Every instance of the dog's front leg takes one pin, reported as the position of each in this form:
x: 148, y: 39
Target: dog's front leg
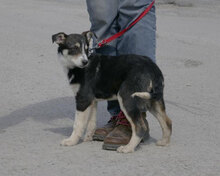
x: 91, y: 123
x: 81, y: 120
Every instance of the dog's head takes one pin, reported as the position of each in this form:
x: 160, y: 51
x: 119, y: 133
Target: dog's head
x: 74, y: 48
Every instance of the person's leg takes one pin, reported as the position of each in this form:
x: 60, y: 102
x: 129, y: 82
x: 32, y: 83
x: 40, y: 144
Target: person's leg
x: 109, y: 17
x: 140, y: 40
x: 103, y: 17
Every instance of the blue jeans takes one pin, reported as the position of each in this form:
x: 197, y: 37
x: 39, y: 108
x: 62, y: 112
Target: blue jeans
x: 108, y: 17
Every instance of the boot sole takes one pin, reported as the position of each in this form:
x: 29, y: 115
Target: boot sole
x: 114, y: 147
x: 98, y: 137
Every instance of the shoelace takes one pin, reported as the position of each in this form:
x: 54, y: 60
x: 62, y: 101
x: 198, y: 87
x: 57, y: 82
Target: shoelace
x: 122, y: 119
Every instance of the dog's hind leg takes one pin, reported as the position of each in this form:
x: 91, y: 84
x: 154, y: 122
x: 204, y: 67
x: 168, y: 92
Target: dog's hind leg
x: 91, y: 123
x: 80, y: 122
x: 158, y: 110
x: 137, y: 121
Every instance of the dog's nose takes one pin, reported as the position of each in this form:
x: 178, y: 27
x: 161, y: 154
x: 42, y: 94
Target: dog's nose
x: 85, y: 62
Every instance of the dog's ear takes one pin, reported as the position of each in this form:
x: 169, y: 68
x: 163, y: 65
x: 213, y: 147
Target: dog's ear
x: 89, y: 38
x: 59, y: 38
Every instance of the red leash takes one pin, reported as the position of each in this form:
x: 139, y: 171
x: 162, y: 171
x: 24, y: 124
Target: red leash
x: 113, y: 37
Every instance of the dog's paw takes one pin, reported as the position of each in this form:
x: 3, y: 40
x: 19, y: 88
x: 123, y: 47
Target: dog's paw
x: 163, y: 142
x: 68, y: 142
x: 125, y: 149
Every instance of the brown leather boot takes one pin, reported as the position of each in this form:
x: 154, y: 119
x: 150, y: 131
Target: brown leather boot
x: 101, y: 133
x: 120, y: 135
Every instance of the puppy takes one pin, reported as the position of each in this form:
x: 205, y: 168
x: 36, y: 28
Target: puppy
x: 135, y: 81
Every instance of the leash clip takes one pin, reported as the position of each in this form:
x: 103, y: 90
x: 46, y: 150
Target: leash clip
x: 97, y: 46
x: 91, y: 51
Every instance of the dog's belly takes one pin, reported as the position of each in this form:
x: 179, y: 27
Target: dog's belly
x: 113, y: 97
x: 101, y: 94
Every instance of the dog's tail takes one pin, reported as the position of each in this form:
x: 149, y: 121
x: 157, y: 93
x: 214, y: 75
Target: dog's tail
x: 144, y: 95
x: 156, y: 91
x: 147, y: 95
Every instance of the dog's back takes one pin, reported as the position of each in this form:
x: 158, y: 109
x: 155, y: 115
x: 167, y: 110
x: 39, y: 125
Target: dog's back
x: 139, y: 74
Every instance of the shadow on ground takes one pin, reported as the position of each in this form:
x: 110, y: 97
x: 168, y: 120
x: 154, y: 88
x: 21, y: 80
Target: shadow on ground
x: 64, y: 107
x: 44, y: 112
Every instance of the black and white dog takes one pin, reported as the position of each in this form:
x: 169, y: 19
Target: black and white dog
x: 135, y: 81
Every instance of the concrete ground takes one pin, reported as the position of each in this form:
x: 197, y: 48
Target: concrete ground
x: 37, y: 106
